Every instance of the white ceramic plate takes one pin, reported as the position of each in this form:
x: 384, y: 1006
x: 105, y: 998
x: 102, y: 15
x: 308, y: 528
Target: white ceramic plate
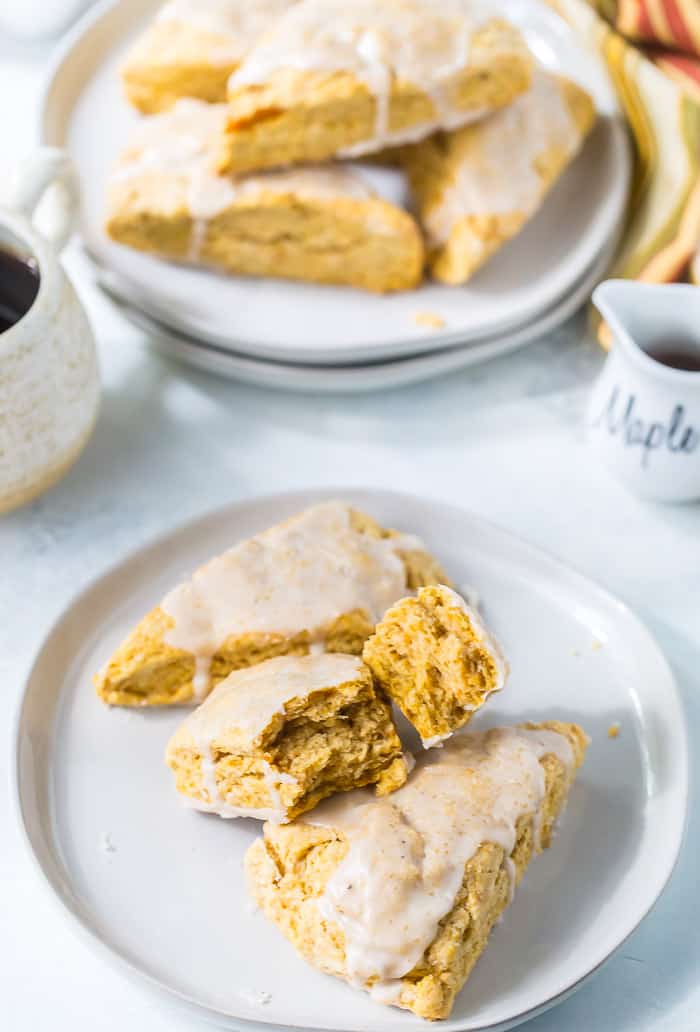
x: 397, y: 372
x: 84, y: 110
x: 168, y: 899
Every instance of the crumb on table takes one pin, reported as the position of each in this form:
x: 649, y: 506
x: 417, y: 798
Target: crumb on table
x: 613, y: 730
x: 106, y: 843
x: 431, y: 320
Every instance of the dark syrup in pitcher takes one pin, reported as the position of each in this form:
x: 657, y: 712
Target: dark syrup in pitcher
x: 677, y: 354
x: 19, y: 285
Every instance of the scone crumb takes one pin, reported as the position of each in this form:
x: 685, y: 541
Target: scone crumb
x: 257, y: 996
x: 106, y: 843
x: 431, y: 320
x: 614, y: 730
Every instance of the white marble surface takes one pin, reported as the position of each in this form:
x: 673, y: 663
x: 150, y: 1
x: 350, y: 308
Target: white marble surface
x: 504, y: 440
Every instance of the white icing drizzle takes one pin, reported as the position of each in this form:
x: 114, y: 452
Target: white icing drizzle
x: 415, y: 41
x: 245, y: 704
x: 237, y: 23
x: 298, y: 576
x: 435, y: 741
x: 179, y: 144
x: 497, y: 174
x: 407, y: 852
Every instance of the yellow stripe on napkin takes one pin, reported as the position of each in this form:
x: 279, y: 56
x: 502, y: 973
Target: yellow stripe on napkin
x: 663, y: 226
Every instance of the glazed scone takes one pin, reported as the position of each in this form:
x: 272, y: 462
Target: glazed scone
x: 475, y: 188
x: 272, y: 740
x: 320, y: 224
x: 192, y: 47
x: 434, y: 657
x: 399, y: 895
x: 336, y: 78
x: 318, y: 581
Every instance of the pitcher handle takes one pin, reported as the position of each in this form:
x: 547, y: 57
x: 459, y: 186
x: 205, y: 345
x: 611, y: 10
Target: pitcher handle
x: 47, y: 167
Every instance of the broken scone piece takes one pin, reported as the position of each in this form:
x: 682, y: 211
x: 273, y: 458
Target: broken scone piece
x: 333, y: 77
x: 273, y: 740
x: 191, y: 48
x: 434, y: 657
x: 399, y: 895
x: 320, y: 224
x: 319, y: 581
x: 475, y: 188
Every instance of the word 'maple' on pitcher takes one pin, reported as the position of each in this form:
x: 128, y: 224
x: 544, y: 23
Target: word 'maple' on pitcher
x: 619, y: 417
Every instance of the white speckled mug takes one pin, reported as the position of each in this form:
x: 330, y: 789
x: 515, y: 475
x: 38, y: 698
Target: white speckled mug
x: 49, y: 382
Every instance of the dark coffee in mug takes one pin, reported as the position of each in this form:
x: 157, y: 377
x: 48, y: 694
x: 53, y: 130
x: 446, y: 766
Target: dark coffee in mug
x: 19, y: 285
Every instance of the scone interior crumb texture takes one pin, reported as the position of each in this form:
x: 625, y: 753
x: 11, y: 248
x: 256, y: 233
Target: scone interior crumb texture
x: 434, y: 657
x: 336, y: 882
x: 320, y: 580
x: 274, y: 740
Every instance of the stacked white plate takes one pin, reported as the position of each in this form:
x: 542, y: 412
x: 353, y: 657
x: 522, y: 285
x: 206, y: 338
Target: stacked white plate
x: 306, y: 337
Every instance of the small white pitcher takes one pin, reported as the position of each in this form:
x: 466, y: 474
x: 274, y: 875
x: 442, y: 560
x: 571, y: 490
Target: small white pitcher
x: 49, y: 383
x: 644, y: 415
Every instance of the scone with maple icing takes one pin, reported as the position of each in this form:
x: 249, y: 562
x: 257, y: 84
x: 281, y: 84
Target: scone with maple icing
x: 319, y: 581
x: 399, y: 895
x: 337, y: 78
x: 434, y: 657
x: 272, y: 740
x: 320, y: 224
x: 191, y: 48
x: 476, y: 188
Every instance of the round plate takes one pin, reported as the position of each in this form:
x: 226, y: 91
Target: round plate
x: 85, y: 111
x: 160, y: 886
x: 353, y: 379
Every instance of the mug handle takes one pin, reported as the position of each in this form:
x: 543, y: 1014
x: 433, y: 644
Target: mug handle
x: 49, y: 166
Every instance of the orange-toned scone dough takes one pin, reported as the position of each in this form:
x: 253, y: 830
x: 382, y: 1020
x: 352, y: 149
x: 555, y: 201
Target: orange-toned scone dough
x: 321, y: 579
x: 321, y: 224
x: 434, y: 657
x: 192, y: 47
x: 399, y: 895
x: 272, y: 740
x: 476, y: 188
x: 337, y: 78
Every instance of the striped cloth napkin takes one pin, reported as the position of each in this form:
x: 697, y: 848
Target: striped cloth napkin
x: 652, y: 49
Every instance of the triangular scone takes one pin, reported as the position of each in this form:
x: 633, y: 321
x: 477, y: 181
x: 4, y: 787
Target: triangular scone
x: 333, y: 77
x: 399, y: 895
x: 192, y: 47
x: 475, y: 188
x: 275, y: 739
x: 320, y: 580
x: 321, y: 224
x: 435, y: 658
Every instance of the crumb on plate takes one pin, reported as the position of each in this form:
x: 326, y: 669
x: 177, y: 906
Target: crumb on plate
x: 106, y: 843
x: 431, y: 320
